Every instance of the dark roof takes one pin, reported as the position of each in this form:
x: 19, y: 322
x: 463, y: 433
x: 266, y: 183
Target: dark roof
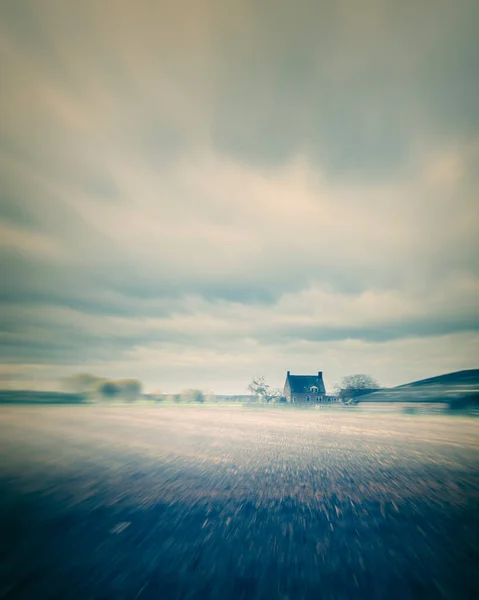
x: 301, y: 384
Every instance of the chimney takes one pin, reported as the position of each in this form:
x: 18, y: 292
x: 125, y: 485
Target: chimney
x: 287, y: 373
x: 320, y: 374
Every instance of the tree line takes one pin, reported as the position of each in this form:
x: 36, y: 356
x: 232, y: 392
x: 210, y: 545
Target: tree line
x: 97, y: 388
x: 101, y: 388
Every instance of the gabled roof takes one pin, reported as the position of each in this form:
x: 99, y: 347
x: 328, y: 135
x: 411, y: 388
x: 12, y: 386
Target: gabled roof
x: 302, y: 384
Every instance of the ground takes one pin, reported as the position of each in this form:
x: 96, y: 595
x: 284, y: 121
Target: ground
x: 237, y: 503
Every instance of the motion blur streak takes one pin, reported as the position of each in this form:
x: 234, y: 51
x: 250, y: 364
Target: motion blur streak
x: 213, y: 502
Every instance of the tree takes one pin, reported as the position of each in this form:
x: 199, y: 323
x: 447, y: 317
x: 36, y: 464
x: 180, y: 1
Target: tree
x: 108, y: 389
x: 199, y: 396
x: 129, y: 389
x: 81, y: 383
x: 353, y: 386
x: 263, y: 391
x: 193, y: 395
x: 125, y: 390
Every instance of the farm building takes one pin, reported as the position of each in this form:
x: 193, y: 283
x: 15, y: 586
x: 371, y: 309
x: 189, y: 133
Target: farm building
x: 306, y: 388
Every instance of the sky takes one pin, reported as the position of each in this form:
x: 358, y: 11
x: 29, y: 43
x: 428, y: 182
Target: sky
x: 201, y: 191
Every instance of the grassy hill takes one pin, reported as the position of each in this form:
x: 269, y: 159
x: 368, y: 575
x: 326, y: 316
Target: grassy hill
x: 459, y: 388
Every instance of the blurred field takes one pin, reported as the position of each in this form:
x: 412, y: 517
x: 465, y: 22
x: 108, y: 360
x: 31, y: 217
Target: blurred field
x: 215, y: 502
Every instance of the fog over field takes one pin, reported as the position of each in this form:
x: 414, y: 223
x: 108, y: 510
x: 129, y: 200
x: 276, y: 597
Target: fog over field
x: 214, y: 502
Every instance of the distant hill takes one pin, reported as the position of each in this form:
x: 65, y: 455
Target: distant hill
x: 459, y: 388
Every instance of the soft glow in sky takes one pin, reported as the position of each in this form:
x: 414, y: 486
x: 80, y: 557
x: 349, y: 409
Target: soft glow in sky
x: 197, y: 192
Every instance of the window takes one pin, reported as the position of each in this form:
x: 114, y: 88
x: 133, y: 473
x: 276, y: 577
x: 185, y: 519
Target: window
x: 294, y: 398
x: 308, y: 398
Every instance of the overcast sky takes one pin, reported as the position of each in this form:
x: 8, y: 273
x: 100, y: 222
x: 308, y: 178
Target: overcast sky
x: 197, y: 192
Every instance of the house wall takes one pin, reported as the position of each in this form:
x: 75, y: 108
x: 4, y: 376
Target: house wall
x: 313, y: 398
x: 304, y: 398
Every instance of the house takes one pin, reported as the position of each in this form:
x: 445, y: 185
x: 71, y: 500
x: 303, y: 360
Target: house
x: 306, y: 388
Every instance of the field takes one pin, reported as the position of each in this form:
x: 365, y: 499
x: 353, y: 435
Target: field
x: 237, y: 503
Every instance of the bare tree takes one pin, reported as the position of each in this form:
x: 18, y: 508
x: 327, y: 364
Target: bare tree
x: 353, y: 386
x: 263, y: 391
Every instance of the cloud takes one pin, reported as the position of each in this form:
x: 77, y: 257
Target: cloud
x: 218, y: 186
